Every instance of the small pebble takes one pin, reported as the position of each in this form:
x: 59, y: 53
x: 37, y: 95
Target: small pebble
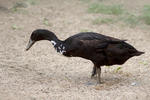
x: 133, y: 83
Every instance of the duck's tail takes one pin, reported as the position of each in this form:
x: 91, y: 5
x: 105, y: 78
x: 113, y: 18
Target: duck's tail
x: 138, y: 53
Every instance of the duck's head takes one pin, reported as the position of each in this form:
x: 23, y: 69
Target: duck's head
x: 40, y: 34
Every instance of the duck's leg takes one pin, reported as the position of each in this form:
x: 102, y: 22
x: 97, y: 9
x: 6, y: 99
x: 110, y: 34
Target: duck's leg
x: 93, y: 72
x: 98, y: 69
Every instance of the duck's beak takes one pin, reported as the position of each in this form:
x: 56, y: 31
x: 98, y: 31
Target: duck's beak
x: 31, y: 42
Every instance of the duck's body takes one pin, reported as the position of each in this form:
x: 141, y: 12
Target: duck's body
x: 100, y: 49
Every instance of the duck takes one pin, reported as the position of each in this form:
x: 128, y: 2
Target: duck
x: 100, y: 49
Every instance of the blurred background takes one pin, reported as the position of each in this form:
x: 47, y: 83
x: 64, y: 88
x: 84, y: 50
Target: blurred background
x: 43, y: 74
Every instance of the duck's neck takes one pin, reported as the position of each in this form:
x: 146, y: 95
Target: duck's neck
x: 58, y: 45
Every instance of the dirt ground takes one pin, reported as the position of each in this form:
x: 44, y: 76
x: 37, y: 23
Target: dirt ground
x: 43, y: 74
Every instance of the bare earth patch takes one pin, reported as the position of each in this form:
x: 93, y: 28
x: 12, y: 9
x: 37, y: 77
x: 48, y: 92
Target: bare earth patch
x: 42, y: 74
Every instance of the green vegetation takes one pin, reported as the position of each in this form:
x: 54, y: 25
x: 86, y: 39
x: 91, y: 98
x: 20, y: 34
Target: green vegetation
x: 103, y: 21
x: 85, y: 1
x: 145, y: 63
x: 116, y: 13
x: 105, y: 9
x: 146, y: 14
x: 23, y: 4
x: 122, y: 16
x: 85, y: 30
x: 46, y: 22
x: 18, y: 5
x: 131, y: 20
x: 14, y: 27
x: 32, y: 2
x: 117, y: 69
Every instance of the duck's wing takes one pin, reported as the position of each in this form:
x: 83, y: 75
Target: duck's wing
x: 89, y: 40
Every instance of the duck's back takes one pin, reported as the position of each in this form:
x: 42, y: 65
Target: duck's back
x: 86, y: 44
x: 87, y: 36
x: 90, y: 36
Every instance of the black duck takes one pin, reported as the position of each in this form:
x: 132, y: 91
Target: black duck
x: 100, y: 49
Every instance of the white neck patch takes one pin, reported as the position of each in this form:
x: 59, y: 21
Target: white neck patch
x: 60, y: 49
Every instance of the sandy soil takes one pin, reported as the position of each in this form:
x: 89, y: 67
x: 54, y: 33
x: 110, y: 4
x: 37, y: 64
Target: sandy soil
x: 43, y: 74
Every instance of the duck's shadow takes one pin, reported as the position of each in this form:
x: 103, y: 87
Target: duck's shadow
x: 109, y: 82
